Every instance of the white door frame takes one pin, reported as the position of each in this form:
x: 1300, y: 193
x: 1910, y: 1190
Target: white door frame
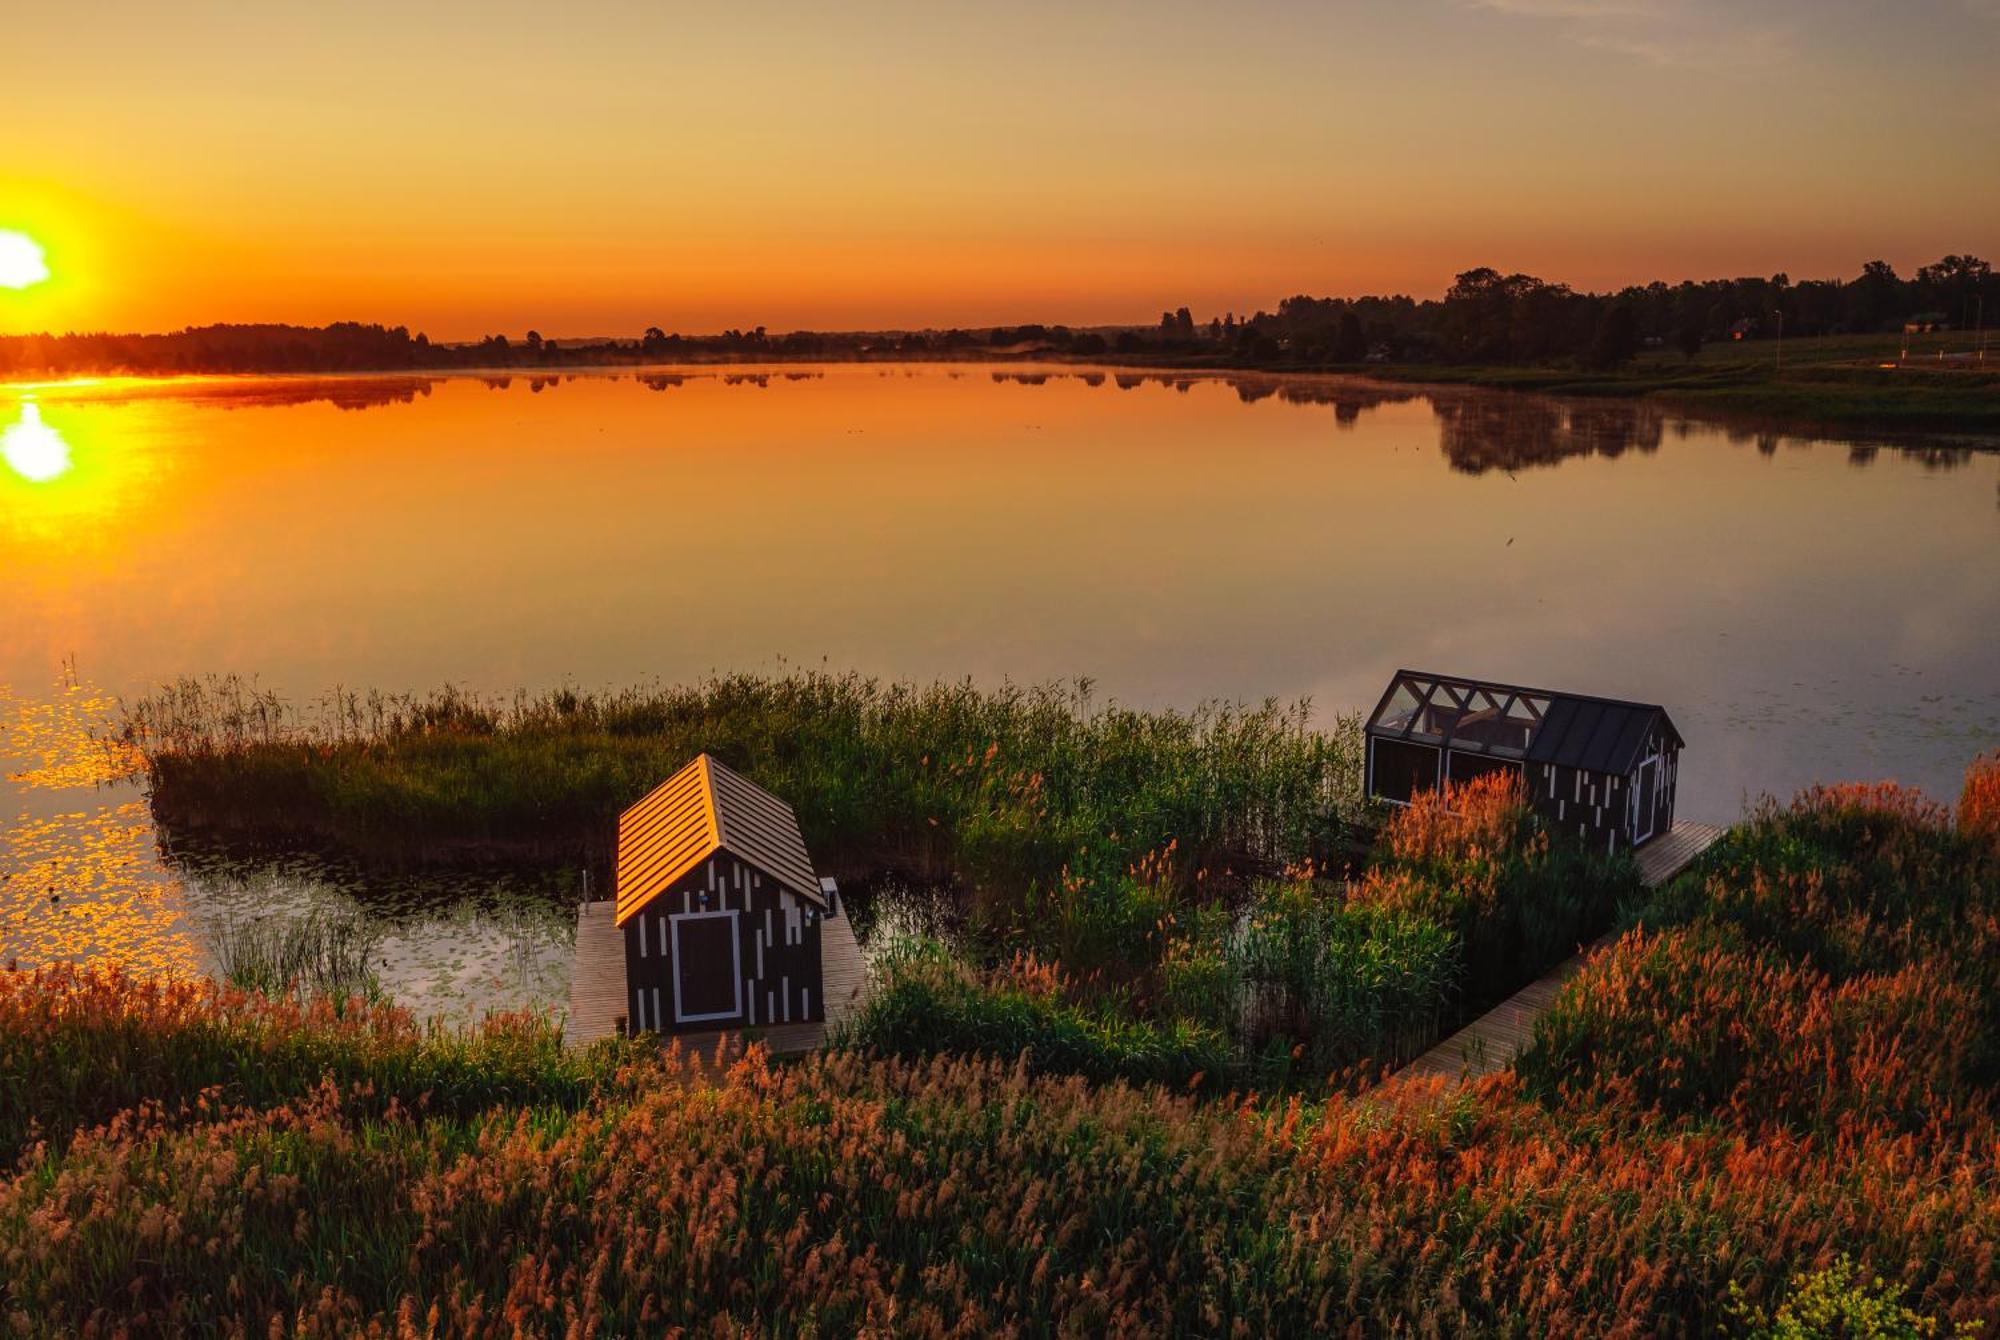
x: 1639, y: 797
x: 735, y: 967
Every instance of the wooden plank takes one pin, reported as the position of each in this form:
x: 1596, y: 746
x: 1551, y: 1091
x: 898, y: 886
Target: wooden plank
x: 1492, y: 1041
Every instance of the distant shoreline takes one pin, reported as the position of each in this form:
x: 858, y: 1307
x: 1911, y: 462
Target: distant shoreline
x: 1835, y: 399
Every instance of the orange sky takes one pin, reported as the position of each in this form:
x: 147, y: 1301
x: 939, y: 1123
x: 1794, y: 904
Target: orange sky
x: 598, y: 167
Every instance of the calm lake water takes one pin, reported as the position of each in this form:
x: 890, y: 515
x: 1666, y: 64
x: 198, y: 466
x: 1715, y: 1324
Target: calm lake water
x: 1807, y: 609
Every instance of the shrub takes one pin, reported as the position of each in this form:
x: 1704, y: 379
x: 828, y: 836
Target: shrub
x: 1836, y: 1304
x: 1345, y: 982
x: 926, y: 1000
x: 1476, y: 858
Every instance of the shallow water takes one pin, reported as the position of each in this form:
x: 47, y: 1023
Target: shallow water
x: 1807, y: 609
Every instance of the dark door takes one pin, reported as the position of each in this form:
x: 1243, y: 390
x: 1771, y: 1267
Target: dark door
x: 706, y: 981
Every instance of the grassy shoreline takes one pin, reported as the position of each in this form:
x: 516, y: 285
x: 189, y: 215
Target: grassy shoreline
x: 1831, y: 385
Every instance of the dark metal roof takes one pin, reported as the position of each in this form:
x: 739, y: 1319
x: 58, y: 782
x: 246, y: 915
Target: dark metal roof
x: 1573, y: 730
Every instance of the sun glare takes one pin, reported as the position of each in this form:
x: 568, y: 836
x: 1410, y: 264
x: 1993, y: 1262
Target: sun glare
x: 32, y: 449
x: 22, y: 262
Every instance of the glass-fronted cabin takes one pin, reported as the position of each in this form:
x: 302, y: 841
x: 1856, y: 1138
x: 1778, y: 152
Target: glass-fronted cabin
x: 1601, y: 769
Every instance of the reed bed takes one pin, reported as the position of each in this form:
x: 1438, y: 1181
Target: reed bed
x: 80, y: 1045
x: 1770, y: 1107
x: 326, y: 952
x: 949, y: 1196
x: 1832, y: 964
x: 1003, y: 792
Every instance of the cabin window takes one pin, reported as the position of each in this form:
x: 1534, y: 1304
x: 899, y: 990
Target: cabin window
x: 1463, y: 767
x: 1401, y: 769
x: 1398, y: 710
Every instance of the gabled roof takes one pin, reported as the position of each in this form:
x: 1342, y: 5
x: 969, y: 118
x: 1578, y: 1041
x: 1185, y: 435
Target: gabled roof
x: 700, y: 810
x: 1481, y: 716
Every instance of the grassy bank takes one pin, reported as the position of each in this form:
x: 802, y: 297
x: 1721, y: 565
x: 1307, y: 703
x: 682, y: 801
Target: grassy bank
x: 1771, y: 1106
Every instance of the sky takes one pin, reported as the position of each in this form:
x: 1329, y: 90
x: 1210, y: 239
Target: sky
x: 598, y: 166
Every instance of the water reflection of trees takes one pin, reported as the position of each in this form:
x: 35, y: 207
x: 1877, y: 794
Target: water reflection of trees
x: 1478, y: 433
x: 1861, y: 452
x: 343, y: 395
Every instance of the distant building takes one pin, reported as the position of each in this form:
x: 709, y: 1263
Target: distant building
x: 1744, y: 328
x: 1599, y: 769
x: 1924, y: 323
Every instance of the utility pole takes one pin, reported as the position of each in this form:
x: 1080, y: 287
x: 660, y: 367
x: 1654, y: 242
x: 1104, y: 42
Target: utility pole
x: 1779, y: 312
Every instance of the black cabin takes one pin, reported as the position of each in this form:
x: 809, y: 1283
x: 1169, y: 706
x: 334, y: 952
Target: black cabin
x: 719, y: 906
x: 1598, y: 768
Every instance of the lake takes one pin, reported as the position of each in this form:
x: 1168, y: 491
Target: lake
x: 1807, y: 609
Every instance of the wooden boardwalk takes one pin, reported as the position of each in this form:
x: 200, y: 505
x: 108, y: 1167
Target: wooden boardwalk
x: 597, y: 985
x: 1494, y: 1039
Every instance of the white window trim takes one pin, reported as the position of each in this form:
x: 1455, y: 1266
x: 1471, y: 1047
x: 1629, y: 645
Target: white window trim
x: 735, y: 967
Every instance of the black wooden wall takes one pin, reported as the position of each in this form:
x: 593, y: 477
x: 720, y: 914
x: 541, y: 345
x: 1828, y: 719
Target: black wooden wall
x: 778, y: 948
x: 1598, y: 808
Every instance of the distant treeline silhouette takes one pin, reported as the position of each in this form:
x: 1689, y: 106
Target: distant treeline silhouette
x: 1485, y: 318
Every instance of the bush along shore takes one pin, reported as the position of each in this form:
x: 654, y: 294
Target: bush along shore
x: 1769, y: 1109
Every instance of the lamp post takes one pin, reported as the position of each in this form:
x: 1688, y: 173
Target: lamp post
x: 1779, y: 312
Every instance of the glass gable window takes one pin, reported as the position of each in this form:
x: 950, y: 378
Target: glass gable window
x: 1398, y: 710
x: 1461, y: 715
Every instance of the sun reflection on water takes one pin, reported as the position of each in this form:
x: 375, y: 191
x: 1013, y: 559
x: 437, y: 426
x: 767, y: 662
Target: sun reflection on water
x: 79, y: 874
x: 32, y: 449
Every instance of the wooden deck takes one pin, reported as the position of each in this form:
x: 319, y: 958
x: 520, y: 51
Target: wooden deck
x: 1494, y: 1039
x: 597, y: 985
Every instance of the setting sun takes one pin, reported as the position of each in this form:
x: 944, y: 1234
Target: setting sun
x: 21, y: 261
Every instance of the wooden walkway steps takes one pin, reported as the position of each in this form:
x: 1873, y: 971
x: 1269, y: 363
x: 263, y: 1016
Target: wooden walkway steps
x: 597, y: 985
x: 1494, y: 1039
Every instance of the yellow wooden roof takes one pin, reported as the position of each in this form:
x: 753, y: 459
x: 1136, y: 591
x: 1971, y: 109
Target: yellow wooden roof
x: 704, y: 808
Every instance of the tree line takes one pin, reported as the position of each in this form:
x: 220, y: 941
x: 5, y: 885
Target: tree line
x: 1486, y: 317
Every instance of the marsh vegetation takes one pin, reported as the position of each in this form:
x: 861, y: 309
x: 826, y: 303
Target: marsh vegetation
x: 1772, y: 1105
